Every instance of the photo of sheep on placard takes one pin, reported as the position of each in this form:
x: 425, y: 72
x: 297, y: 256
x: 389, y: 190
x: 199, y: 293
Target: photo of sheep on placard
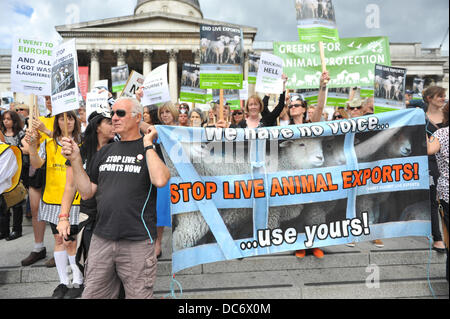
x: 390, y: 85
x: 220, y: 45
x: 321, y: 10
x: 190, y: 75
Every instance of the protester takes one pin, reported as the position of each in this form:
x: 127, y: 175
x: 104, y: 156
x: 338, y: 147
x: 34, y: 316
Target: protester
x: 368, y: 106
x: 11, y: 127
x: 10, y: 169
x: 220, y: 123
x: 438, y: 145
x: 356, y: 108
x: 339, y: 114
x: 284, y: 118
x: 99, y: 132
x: 147, y: 117
x: 211, y: 118
x: 196, y: 118
x: 168, y: 114
x: 258, y: 114
x: 434, y: 98
x: 52, y: 195
x: 183, y: 117
x: 24, y: 112
x: 298, y: 113
x: 36, y: 178
x: 120, y: 249
x: 237, y: 116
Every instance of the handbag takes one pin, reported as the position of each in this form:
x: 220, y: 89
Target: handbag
x: 16, y: 196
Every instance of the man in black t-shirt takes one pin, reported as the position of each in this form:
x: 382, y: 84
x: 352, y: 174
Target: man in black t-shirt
x: 123, y: 177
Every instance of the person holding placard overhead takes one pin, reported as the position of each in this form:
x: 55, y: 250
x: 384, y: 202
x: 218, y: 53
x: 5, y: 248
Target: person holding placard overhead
x: 36, y: 178
x: 49, y: 155
x: 257, y: 112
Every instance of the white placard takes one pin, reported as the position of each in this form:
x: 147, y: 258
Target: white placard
x: 65, y: 79
x: 270, y: 70
x: 31, y: 65
x: 135, y: 81
x: 96, y: 100
x: 156, y: 88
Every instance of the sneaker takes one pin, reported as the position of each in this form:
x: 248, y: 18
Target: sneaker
x: 34, y: 257
x: 50, y: 263
x: 350, y: 245
x: 300, y: 253
x: 318, y: 253
x: 378, y: 243
x: 74, y: 292
x: 60, y: 291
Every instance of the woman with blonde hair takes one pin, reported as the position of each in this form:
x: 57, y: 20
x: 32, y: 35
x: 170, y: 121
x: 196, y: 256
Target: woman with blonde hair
x: 168, y: 114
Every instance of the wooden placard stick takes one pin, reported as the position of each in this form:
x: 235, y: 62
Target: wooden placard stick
x: 2, y: 137
x: 32, y: 102
x: 221, y: 106
x: 66, y: 134
x: 322, y: 58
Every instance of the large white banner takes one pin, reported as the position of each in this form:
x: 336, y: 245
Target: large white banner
x: 65, y: 78
x: 156, y: 88
x: 31, y: 65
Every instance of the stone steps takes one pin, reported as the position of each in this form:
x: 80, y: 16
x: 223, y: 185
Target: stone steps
x: 402, y: 269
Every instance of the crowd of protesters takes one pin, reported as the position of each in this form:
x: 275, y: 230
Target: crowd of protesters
x: 70, y: 181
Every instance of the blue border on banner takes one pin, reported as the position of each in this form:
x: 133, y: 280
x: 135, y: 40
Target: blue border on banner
x: 227, y: 248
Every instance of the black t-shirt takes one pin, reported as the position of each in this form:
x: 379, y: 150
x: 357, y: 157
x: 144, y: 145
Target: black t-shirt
x: 120, y: 171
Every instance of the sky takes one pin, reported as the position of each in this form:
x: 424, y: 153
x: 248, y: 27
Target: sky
x: 401, y: 20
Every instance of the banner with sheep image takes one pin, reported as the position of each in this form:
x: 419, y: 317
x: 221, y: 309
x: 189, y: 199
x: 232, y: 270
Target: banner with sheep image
x: 237, y: 193
x: 350, y: 62
x: 221, y: 57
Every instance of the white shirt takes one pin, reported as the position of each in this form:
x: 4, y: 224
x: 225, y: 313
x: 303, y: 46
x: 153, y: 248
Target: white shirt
x: 8, y: 167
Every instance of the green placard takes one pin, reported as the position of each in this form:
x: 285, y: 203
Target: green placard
x: 350, y: 62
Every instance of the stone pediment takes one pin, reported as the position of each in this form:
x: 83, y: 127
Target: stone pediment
x: 153, y: 22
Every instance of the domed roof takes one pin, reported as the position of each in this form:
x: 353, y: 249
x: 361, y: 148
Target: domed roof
x: 193, y: 3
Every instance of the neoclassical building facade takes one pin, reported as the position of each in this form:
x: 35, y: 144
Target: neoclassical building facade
x: 167, y: 31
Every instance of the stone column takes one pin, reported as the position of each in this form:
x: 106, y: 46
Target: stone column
x: 121, y: 55
x: 173, y: 74
x: 246, y: 65
x: 147, y: 66
x: 95, y: 66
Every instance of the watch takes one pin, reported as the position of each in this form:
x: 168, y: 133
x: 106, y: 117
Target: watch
x: 150, y: 147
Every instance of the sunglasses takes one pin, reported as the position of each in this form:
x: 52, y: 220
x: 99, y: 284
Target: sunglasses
x: 338, y: 117
x: 18, y: 110
x: 237, y: 113
x: 353, y: 108
x: 120, y: 113
x: 295, y: 105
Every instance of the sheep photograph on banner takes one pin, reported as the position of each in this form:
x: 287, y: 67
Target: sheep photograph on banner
x: 237, y: 193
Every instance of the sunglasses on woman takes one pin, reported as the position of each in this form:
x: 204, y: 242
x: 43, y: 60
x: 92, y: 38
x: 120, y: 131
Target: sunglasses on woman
x: 337, y: 117
x: 295, y: 105
x: 237, y: 113
x: 357, y: 107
